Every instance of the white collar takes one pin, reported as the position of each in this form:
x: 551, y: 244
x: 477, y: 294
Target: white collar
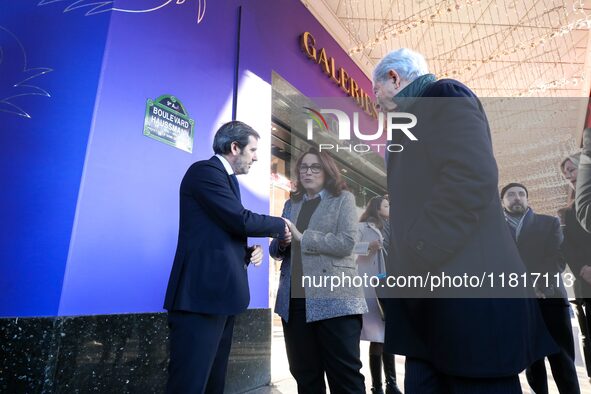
x: 226, y: 164
x: 321, y: 194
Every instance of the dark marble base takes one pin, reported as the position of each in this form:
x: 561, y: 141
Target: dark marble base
x: 117, y: 353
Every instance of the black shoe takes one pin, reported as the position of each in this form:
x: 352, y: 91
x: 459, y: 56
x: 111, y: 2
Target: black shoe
x: 390, y: 372
x: 375, y: 368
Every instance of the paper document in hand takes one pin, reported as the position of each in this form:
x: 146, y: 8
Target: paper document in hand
x: 361, y: 248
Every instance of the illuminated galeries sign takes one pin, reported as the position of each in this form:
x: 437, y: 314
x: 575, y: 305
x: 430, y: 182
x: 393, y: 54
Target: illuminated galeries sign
x: 338, y: 75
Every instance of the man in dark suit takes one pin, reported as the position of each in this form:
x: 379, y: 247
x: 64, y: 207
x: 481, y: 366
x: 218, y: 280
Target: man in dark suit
x: 446, y: 217
x: 577, y: 251
x: 208, y: 284
x: 539, y: 238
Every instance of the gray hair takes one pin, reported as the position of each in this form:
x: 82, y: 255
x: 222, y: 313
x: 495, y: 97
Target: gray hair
x: 408, y: 64
x: 234, y: 131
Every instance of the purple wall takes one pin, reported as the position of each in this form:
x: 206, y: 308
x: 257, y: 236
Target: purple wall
x: 126, y: 220
x: 50, y: 63
x: 278, y: 25
x: 125, y: 234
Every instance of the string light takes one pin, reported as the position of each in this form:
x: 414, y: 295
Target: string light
x: 551, y: 85
x: 583, y: 23
x: 504, y: 47
x: 394, y: 29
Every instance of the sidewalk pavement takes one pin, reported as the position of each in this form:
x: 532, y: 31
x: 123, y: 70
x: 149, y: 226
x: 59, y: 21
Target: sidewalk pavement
x: 283, y: 383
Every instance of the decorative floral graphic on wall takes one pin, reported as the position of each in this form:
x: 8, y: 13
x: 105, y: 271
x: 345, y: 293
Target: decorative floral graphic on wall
x: 93, y: 7
x: 17, y: 79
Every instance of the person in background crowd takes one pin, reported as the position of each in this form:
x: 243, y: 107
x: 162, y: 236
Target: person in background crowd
x: 583, y: 187
x: 539, y: 238
x: 577, y: 251
x: 321, y: 325
x: 444, y: 198
x: 578, y: 301
x: 371, y: 262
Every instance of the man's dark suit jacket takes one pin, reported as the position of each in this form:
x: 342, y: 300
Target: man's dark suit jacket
x: 209, y: 273
x: 539, y: 245
x: 577, y: 250
x: 446, y: 215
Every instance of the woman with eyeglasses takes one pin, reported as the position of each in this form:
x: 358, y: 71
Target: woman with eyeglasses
x: 321, y: 313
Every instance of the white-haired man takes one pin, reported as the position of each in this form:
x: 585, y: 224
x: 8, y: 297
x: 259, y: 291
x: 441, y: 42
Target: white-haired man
x: 446, y: 217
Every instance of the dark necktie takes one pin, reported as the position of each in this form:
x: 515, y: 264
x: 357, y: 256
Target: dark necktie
x: 236, y: 186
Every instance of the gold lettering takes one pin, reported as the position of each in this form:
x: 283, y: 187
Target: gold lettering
x: 361, y: 100
x: 354, y: 90
x: 340, y: 76
x: 369, y: 104
x: 308, y: 45
x: 333, y: 74
x: 343, y: 79
x: 374, y: 110
x: 323, y: 61
x: 365, y: 102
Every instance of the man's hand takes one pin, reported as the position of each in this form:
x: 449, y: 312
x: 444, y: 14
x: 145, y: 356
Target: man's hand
x: 286, y: 240
x: 287, y: 230
x: 294, y: 231
x: 256, y: 255
x: 586, y: 273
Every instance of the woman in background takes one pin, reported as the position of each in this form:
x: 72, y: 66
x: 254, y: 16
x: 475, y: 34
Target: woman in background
x: 371, y: 261
x: 583, y: 193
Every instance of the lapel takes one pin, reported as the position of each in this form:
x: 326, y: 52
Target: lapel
x: 318, y: 215
x: 296, y: 207
x: 375, y: 230
x: 233, y: 184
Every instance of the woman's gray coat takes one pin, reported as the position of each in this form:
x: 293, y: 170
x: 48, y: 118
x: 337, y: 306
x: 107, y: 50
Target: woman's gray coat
x: 327, y: 252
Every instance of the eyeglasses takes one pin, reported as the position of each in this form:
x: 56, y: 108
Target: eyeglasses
x: 315, y: 168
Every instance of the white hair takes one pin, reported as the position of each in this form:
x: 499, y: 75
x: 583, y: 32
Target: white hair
x: 407, y: 63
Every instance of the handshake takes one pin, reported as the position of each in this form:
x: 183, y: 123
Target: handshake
x: 291, y: 232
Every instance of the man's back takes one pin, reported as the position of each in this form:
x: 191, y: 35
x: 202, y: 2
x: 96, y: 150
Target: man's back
x: 446, y: 217
x: 577, y: 249
x: 539, y: 245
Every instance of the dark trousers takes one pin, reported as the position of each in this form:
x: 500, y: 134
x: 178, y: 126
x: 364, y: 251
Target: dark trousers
x: 199, y: 350
x: 421, y: 378
x: 557, y: 319
x: 328, y: 346
x: 583, y: 309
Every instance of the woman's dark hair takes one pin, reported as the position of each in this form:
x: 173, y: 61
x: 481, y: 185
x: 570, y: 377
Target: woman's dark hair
x: 372, y: 214
x: 333, y: 181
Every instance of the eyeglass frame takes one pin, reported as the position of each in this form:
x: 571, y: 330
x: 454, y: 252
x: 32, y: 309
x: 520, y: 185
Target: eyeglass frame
x: 314, y: 169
